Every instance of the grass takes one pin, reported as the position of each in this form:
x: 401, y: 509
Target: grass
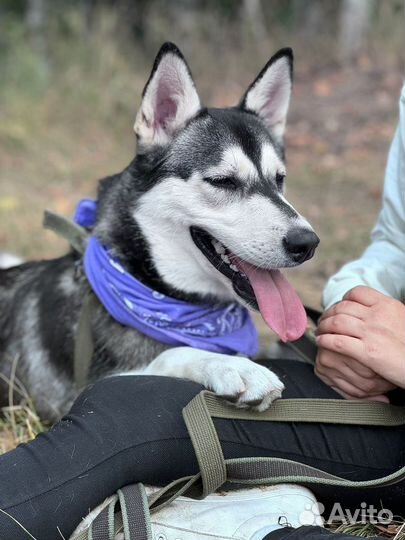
x: 395, y: 530
x: 19, y: 422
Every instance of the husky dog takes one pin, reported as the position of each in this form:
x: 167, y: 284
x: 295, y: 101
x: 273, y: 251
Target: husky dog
x: 199, y: 215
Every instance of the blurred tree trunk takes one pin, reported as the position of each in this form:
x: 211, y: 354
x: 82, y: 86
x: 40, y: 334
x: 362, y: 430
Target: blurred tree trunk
x: 309, y: 16
x: 253, y: 19
x: 36, y: 18
x: 252, y: 12
x: 354, y: 21
x: 89, y: 15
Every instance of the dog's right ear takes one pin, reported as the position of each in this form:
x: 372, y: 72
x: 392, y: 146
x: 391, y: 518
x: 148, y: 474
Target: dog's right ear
x: 169, y: 100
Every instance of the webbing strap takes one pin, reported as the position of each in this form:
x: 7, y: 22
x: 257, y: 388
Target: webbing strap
x: 275, y: 470
x: 102, y: 528
x: 188, y: 485
x: 215, y: 470
x: 135, y: 512
x: 74, y: 234
x: 83, y: 347
x: 84, y: 343
x: 133, y: 519
x: 305, y: 346
x: 206, y: 444
x: 252, y: 471
x: 326, y: 411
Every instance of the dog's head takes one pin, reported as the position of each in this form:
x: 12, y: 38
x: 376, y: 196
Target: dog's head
x: 206, y: 191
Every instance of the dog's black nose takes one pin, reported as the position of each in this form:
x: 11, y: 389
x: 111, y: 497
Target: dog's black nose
x: 301, y: 243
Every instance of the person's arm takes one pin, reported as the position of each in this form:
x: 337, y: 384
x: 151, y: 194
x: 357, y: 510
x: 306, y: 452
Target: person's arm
x: 360, y: 335
x: 382, y: 265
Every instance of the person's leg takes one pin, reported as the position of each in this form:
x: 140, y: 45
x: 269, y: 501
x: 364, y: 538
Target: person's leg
x: 352, y: 452
x: 128, y: 429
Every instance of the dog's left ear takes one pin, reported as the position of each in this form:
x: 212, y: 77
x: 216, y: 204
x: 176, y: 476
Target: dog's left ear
x: 169, y: 99
x: 269, y: 94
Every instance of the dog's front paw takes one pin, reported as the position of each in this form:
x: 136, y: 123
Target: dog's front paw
x: 242, y: 382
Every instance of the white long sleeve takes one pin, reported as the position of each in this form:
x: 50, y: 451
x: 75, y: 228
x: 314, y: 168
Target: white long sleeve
x: 382, y: 265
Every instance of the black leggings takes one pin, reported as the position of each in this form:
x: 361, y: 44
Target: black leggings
x: 130, y: 429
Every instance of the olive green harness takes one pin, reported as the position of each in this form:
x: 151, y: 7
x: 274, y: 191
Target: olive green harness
x: 130, y: 509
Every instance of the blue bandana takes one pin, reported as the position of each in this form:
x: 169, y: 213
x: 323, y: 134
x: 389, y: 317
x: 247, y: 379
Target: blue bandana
x: 226, y: 329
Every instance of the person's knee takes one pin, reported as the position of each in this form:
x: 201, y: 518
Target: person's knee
x: 130, y: 395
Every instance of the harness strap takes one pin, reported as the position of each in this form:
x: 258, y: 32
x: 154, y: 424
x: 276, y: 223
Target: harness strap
x: 84, y: 345
x: 326, y: 411
x: 74, y: 234
x: 102, y: 528
x: 275, y: 470
x: 132, y: 517
x: 305, y: 346
x: 135, y: 512
x: 216, y: 471
x: 84, y: 342
x: 206, y: 444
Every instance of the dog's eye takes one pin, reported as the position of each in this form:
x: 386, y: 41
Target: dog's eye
x: 280, y: 180
x: 225, y: 182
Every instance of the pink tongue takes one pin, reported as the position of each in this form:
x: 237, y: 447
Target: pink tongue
x: 279, y: 304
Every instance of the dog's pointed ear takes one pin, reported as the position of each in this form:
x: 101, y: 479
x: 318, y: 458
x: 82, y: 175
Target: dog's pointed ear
x: 169, y: 99
x: 269, y: 94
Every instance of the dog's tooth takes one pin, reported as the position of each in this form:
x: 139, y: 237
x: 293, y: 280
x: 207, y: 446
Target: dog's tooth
x: 234, y: 268
x: 225, y: 258
x: 219, y: 248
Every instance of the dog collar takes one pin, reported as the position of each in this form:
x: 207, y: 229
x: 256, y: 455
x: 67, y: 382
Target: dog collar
x: 220, y: 328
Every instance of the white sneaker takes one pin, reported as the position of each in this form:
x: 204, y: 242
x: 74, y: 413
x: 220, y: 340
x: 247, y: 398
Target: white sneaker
x: 243, y: 514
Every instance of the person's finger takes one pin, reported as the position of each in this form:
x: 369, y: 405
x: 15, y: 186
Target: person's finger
x: 345, y: 307
x: 346, y: 345
x: 370, y: 385
x: 382, y: 398
x: 364, y: 295
x: 334, y: 379
x: 350, y: 382
x: 332, y: 360
x: 364, y: 371
x: 343, y: 394
x: 368, y: 376
x: 341, y: 324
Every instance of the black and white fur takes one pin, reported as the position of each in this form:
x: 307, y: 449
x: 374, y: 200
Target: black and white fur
x: 196, y: 169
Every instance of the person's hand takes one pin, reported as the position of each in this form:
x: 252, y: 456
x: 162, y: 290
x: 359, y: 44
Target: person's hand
x: 361, y: 344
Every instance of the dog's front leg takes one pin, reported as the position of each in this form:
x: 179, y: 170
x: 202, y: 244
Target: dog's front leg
x: 237, y: 378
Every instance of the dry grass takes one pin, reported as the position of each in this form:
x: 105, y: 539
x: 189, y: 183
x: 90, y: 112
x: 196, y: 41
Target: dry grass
x: 395, y: 530
x: 19, y: 422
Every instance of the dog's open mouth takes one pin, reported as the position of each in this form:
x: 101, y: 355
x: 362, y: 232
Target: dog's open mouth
x: 266, y: 290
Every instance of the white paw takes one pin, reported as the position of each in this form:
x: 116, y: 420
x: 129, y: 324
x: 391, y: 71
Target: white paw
x: 241, y: 381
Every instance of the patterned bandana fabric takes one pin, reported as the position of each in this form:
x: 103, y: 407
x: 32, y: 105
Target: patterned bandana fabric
x: 223, y: 328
